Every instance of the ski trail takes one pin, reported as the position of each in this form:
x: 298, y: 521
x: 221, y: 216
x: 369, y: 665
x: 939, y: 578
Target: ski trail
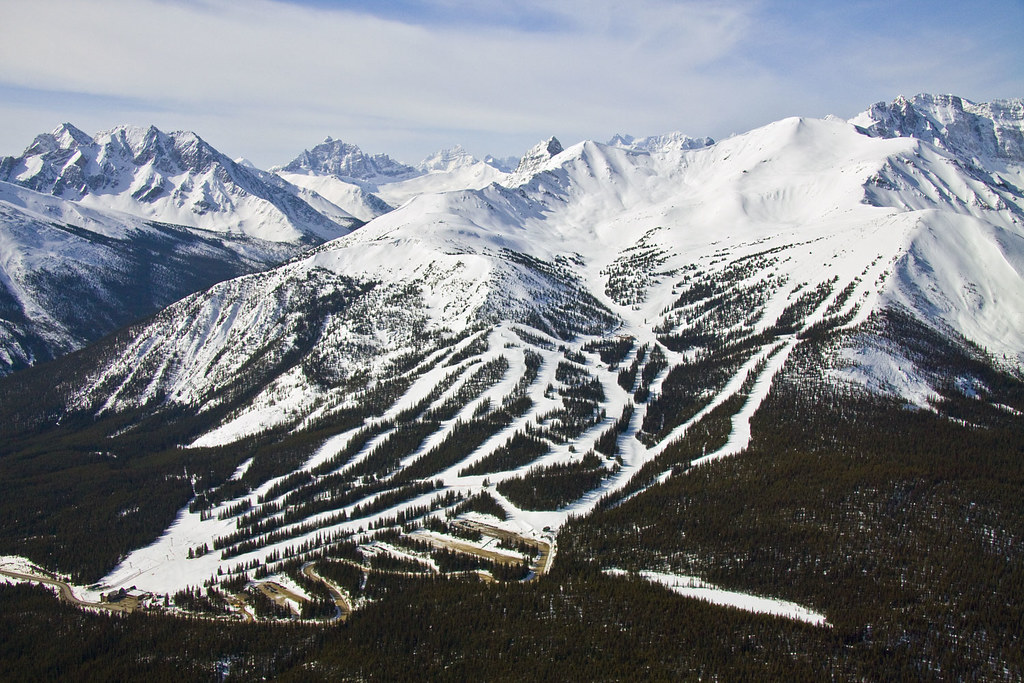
x: 739, y: 438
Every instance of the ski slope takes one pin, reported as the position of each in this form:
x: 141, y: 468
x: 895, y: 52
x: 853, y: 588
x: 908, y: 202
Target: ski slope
x: 484, y: 309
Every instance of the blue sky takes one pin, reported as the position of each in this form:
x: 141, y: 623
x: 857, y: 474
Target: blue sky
x: 268, y: 78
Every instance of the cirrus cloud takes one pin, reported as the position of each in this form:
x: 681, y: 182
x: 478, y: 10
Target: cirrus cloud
x: 266, y: 78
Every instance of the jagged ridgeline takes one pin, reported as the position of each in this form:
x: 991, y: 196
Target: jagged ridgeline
x: 101, y: 232
x: 767, y: 364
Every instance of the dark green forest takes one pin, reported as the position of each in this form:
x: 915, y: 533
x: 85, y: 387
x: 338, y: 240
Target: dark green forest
x: 903, y: 525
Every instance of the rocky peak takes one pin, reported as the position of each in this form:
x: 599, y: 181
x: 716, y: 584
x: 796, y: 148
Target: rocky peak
x: 537, y: 156
x: 987, y: 130
x: 344, y: 160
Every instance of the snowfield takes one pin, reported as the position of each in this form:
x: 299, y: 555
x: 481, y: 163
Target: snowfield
x: 694, y: 587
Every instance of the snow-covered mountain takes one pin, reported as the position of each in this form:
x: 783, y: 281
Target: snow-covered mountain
x: 535, y: 159
x: 986, y: 132
x: 468, y: 336
x: 455, y: 158
x: 598, y: 299
x: 100, y: 232
x: 369, y: 186
x: 446, y: 160
x: 591, y: 220
x: 352, y: 197
x: 174, y: 178
x: 70, y: 274
x: 658, y: 143
x: 503, y: 164
x: 346, y: 176
x: 346, y: 161
x: 445, y: 171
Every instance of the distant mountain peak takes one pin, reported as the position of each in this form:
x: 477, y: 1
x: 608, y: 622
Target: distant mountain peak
x: 620, y: 140
x: 66, y: 131
x: 344, y: 160
x: 536, y: 157
x: 504, y: 164
x: 551, y: 146
x: 654, y: 143
x: 447, y: 159
x: 64, y: 137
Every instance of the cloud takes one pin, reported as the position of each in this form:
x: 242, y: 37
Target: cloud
x: 262, y: 51
x: 405, y: 77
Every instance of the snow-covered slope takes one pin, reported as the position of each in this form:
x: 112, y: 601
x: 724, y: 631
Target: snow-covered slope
x: 346, y: 175
x: 99, y: 232
x: 70, y: 274
x: 174, y: 178
x: 962, y: 273
x: 599, y: 299
x: 350, y: 196
x: 462, y: 173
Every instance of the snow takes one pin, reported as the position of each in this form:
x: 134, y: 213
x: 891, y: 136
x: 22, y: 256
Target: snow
x: 163, y: 567
x: 968, y: 275
x: 739, y: 437
x: 16, y: 563
x: 177, y: 179
x: 475, y: 176
x: 694, y: 587
x: 22, y: 565
x: 348, y: 196
x: 898, y: 220
x: 388, y: 549
x: 44, y: 240
x: 486, y: 543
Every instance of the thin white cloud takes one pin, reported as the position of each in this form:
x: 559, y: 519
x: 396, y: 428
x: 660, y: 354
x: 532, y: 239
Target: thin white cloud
x: 265, y: 76
x: 264, y: 56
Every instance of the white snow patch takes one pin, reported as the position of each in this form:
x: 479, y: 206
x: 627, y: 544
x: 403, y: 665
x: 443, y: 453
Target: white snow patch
x: 695, y: 587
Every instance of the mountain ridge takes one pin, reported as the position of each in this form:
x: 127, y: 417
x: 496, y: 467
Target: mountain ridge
x: 173, y: 178
x: 102, y: 231
x: 994, y: 129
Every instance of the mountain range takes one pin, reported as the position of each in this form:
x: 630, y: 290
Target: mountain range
x: 100, y: 232
x: 542, y: 350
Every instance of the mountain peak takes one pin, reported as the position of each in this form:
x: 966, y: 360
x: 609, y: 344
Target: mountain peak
x: 537, y: 156
x: 551, y: 146
x: 503, y: 164
x: 343, y: 160
x: 63, y: 137
x: 175, y: 178
x: 68, y: 135
x: 447, y: 159
x: 986, y: 130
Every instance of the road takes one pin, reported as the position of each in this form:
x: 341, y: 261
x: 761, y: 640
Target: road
x: 539, y: 567
x: 501, y: 557
x: 340, y: 599
x: 65, y: 592
x: 541, y: 564
x: 279, y: 594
